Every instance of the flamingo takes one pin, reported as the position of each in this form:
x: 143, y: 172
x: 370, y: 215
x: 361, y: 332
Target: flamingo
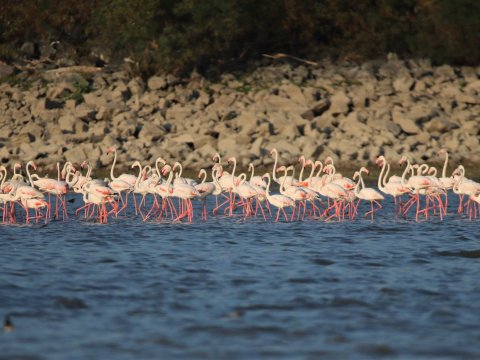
x: 58, y: 188
x: 416, y: 183
x: 204, y: 189
x: 295, y: 193
x: 278, y: 200
x: 464, y: 186
x: 255, y: 180
x: 365, y: 193
x: 393, y: 188
x: 289, y: 180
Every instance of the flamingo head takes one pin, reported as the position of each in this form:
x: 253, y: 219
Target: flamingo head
x: 273, y: 151
x: 442, y: 151
x: 356, y: 175
x: 136, y: 163
x: 380, y: 160
x: 231, y: 160
x: 83, y: 164
x: 281, y: 168
x: 111, y: 149
x: 161, y: 160
x: 301, y: 158
x: 329, y: 160
x: 309, y: 162
x: 17, y: 166
x: 216, y: 156
x: 403, y: 159
x: 265, y: 176
x: 166, y: 169
x: 364, y: 169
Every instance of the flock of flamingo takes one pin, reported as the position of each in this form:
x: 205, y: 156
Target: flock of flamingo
x: 322, y: 194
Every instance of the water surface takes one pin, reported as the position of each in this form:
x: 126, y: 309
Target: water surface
x: 241, y: 290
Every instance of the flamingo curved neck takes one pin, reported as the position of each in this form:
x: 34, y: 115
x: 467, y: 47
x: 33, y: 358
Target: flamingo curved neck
x: 233, y: 172
x: 300, y: 176
x: 274, y: 175
x: 319, y: 172
x: 113, y: 165
x: 28, y: 173
x: 137, y: 182
x: 445, y: 164
x: 381, y: 184
x: 405, y: 173
x: 387, y: 172
x: 309, y: 182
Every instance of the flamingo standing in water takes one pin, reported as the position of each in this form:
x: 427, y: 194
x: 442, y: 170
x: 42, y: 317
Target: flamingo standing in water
x: 278, y: 200
x: 393, y: 188
x: 368, y: 194
x: 58, y: 188
x: 204, y: 189
x: 295, y: 193
x: 470, y: 188
x: 289, y: 180
x: 417, y: 184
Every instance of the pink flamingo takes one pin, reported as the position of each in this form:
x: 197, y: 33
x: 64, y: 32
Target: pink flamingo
x: 278, y: 200
x: 204, y: 189
x: 368, y: 194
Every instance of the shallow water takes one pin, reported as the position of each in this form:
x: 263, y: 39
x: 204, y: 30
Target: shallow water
x: 234, y: 289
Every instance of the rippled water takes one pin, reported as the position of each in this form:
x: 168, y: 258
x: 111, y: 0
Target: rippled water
x: 233, y: 289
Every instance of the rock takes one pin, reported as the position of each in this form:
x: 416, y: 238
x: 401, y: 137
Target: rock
x: 440, y: 125
x: 407, y: 125
x: 6, y: 70
x: 294, y: 93
x: 320, y: 107
x: 33, y: 130
x: 403, y: 84
x: 151, y: 132
x: 350, y: 124
x: 75, y: 154
x: 29, y: 49
x: 60, y: 89
x: 340, y: 103
x: 85, y: 112
x: 67, y: 123
x: 157, y: 83
x: 444, y: 73
x: 94, y: 101
x: 183, y: 139
x: 28, y: 151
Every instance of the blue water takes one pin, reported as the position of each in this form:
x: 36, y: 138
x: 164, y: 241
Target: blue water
x: 242, y: 290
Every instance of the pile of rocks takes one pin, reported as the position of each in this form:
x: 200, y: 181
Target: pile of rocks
x: 351, y: 112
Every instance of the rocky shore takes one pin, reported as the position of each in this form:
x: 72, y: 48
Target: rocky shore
x: 348, y: 111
